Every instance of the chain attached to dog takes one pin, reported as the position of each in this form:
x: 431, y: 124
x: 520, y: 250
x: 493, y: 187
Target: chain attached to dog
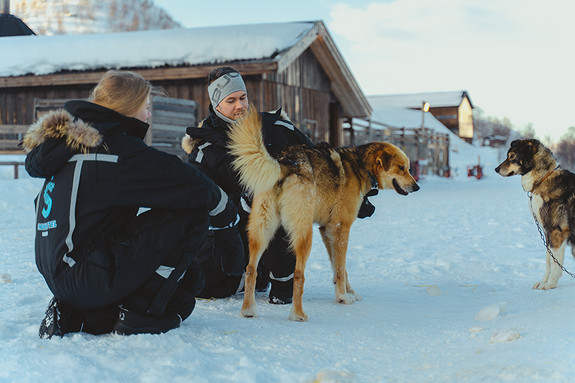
x: 530, y: 195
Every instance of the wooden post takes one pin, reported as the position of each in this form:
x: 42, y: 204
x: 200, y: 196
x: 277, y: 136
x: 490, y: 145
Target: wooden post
x: 16, y: 164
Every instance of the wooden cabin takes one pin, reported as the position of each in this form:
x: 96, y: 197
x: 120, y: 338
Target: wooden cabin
x: 452, y: 109
x: 295, y: 66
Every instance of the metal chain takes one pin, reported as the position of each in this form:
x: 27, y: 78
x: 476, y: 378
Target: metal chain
x: 545, y: 241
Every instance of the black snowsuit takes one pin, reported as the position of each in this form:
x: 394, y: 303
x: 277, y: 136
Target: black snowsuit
x: 207, y: 149
x: 92, y: 247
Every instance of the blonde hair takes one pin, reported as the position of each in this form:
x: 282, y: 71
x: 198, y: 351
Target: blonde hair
x: 122, y: 91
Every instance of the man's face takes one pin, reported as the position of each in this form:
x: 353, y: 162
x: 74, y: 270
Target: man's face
x: 234, y: 106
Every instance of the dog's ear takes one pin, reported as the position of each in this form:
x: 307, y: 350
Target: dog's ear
x: 383, y: 159
x: 533, y: 146
x: 526, y: 146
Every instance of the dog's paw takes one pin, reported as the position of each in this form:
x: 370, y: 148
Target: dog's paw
x: 347, y: 298
x: 548, y: 285
x: 301, y: 317
x: 357, y: 296
x: 249, y: 312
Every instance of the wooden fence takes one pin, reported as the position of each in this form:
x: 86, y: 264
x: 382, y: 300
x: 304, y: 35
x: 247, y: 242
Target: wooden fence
x: 427, y: 149
x: 15, y: 164
x: 10, y: 137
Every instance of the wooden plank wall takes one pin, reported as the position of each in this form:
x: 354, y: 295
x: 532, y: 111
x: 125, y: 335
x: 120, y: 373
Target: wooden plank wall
x: 303, y: 91
x: 17, y: 104
x: 448, y: 116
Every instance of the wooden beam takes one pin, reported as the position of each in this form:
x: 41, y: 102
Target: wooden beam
x: 152, y: 74
x: 297, y: 50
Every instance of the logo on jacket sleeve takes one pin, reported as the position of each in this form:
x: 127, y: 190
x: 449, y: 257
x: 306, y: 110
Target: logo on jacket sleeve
x: 47, y: 199
x: 44, y: 227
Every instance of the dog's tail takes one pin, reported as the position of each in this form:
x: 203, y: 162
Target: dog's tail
x: 258, y: 171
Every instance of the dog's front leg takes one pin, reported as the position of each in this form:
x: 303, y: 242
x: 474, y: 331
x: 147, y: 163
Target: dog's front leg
x: 328, y: 235
x: 552, y: 270
x: 343, y: 291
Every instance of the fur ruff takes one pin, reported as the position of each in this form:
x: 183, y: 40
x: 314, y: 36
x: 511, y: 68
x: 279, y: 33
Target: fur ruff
x: 60, y: 124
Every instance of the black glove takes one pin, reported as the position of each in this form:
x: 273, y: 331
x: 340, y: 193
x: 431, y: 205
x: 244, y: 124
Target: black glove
x: 229, y: 250
x: 226, y: 218
x: 228, y: 245
x: 366, y: 209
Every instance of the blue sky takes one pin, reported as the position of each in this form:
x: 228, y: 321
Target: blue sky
x: 514, y: 57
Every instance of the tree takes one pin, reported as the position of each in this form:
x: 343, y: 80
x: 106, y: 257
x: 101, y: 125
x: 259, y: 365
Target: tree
x: 528, y: 131
x: 487, y: 126
x: 565, y: 150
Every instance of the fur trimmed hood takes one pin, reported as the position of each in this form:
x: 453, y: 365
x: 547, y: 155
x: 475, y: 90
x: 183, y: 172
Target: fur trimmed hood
x: 59, y: 124
x: 80, y: 127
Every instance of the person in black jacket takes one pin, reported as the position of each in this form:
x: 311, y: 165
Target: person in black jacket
x: 118, y: 223
x: 207, y: 149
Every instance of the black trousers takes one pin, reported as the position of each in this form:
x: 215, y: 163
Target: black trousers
x: 149, y: 267
x: 277, y: 259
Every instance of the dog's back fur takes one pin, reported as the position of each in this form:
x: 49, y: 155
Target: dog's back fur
x: 552, y: 199
x: 303, y: 185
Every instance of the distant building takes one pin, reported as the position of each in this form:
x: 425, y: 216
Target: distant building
x: 495, y: 141
x: 452, y: 109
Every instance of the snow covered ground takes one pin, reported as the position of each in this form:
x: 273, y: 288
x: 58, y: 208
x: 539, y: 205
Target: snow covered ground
x: 445, y: 273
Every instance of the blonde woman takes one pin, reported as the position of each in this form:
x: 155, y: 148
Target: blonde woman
x: 109, y: 268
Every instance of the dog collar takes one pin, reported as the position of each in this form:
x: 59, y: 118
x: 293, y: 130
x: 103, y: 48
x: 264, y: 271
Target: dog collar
x: 535, y: 186
x: 373, y: 180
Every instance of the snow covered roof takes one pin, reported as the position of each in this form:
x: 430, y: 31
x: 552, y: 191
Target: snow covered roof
x: 398, y: 117
x: 275, y: 44
x: 40, y: 55
x: 414, y: 100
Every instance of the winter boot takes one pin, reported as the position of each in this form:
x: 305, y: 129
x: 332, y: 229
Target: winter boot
x: 60, y: 319
x: 281, y: 291
x: 130, y: 323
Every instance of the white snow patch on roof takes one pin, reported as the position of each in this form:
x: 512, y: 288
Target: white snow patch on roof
x: 42, y: 55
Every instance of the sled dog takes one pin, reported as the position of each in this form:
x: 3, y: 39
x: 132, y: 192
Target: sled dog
x: 304, y: 185
x: 552, y: 200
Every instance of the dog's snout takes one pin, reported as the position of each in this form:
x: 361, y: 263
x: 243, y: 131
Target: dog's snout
x: 415, y: 188
x: 497, y: 169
